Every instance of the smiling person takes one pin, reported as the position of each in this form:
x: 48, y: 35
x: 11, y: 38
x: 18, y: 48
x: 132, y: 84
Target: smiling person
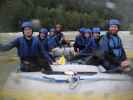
x: 27, y: 47
x: 115, y: 58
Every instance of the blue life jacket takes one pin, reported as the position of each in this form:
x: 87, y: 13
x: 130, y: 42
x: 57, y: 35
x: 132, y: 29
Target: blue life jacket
x: 45, y: 49
x: 80, y: 42
x: 59, y: 38
x: 97, y: 42
x: 45, y: 43
x: 112, y: 44
x: 115, y: 46
x: 52, y: 42
x: 89, y: 45
x: 25, y: 51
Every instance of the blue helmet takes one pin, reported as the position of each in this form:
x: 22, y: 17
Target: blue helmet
x: 43, y: 30
x: 82, y: 30
x: 114, y: 22
x: 88, y: 30
x: 96, y: 30
x: 26, y: 24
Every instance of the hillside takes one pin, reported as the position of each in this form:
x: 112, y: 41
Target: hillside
x: 72, y: 14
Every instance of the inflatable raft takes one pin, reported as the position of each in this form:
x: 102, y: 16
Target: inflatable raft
x: 70, y: 81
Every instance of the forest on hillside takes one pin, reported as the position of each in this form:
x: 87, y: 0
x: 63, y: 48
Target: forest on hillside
x: 72, y: 14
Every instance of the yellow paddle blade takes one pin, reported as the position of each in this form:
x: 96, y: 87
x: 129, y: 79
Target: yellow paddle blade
x: 62, y: 60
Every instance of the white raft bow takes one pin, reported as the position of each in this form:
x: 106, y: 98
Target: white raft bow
x: 71, y: 75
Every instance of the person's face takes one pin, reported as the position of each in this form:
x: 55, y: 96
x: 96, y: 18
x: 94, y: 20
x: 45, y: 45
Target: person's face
x: 52, y: 33
x: 42, y: 35
x: 113, y: 29
x: 87, y: 35
x: 28, y: 32
x: 58, y: 28
x: 96, y: 35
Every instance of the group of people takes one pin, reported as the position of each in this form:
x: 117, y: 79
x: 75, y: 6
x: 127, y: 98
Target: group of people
x: 106, y: 50
x: 34, y: 51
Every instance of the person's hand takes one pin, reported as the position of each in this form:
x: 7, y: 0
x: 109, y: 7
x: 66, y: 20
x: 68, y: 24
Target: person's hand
x: 125, y: 66
x: 124, y: 63
x: 54, y: 49
x: 55, y: 63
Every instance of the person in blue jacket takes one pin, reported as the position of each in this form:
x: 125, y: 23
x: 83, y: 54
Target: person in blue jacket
x: 89, y: 43
x: 96, y: 34
x: 52, y: 40
x: 95, y: 57
x: 80, y: 40
x: 60, y: 38
x: 28, y: 49
x: 89, y: 46
x: 115, y: 59
x: 43, y: 43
